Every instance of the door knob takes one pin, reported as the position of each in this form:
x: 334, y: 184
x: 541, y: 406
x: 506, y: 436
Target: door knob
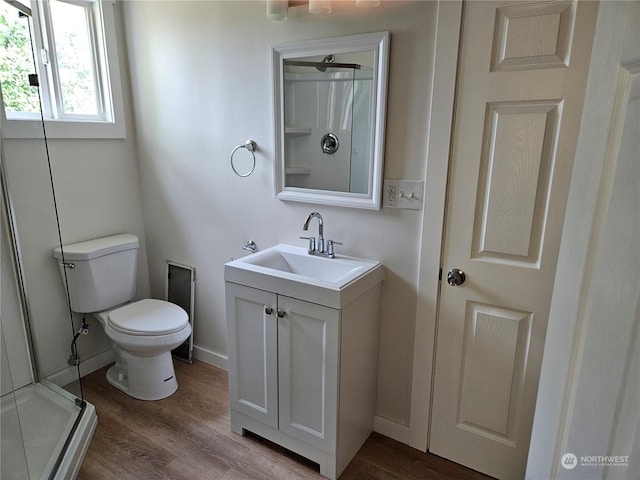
x: 456, y: 277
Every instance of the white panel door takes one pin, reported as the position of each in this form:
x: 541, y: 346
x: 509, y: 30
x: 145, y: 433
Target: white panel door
x: 253, y: 352
x: 308, y: 357
x: 519, y: 98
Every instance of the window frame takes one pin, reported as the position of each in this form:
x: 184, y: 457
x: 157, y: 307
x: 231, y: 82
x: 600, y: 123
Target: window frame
x: 110, y: 122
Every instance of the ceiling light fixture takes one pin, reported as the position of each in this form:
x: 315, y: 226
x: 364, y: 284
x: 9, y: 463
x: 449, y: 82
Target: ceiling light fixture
x: 277, y: 9
x: 320, y: 6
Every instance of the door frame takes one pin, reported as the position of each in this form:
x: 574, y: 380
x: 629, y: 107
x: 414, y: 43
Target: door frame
x: 440, y: 129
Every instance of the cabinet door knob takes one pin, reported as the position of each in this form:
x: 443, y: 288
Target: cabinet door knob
x: 268, y: 310
x: 281, y: 313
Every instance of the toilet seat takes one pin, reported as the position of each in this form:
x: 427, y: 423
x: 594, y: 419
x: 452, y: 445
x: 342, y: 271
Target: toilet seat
x: 148, y: 317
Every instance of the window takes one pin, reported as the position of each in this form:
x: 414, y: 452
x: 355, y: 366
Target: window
x: 16, y: 62
x: 72, y: 44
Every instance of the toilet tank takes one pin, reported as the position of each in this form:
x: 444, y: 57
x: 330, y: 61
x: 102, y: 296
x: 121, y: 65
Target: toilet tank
x: 101, y: 273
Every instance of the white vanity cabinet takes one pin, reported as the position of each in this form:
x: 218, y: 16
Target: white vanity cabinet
x: 303, y: 375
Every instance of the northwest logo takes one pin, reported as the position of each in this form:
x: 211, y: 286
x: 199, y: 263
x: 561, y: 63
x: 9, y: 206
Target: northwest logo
x: 569, y: 461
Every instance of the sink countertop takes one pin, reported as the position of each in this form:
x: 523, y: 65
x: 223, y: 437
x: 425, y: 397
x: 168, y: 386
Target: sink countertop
x: 291, y: 271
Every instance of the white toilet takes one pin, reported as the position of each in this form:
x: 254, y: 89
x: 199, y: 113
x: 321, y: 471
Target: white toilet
x: 101, y: 275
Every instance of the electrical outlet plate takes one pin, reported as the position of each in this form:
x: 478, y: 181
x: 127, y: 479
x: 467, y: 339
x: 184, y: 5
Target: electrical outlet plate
x: 402, y: 194
x: 390, y: 190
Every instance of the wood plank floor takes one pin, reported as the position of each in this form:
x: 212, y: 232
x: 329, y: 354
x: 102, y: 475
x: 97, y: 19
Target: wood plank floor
x: 188, y: 436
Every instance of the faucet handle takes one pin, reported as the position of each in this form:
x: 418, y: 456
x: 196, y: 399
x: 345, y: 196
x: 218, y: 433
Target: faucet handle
x: 312, y: 243
x: 251, y: 246
x: 330, y: 244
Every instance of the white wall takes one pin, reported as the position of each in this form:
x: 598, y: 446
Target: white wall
x: 201, y: 85
x: 97, y: 194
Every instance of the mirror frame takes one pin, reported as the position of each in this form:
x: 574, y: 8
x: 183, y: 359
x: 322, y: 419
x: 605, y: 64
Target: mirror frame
x: 378, y: 43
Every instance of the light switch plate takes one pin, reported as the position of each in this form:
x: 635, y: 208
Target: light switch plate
x: 402, y: 194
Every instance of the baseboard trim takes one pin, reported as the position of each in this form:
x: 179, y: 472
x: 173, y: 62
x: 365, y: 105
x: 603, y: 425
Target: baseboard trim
x: 96, y: 363
x: 391, y: 429
x: 211, y: 358
x: 90, y: 365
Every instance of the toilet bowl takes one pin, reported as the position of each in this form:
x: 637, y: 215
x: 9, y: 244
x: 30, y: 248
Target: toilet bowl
x: 142, y: 335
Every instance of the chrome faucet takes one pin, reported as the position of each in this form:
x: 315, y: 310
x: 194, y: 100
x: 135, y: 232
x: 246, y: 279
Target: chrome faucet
x: 314, y: 245
x: 317, y: 246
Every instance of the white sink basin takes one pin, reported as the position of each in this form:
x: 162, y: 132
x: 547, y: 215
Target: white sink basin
x: 301, y: 263
x: 290, y: 270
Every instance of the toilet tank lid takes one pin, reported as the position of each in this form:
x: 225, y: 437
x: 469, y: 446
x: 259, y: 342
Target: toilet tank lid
x: 97, y: 247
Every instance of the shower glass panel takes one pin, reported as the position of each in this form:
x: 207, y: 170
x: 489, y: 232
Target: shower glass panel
x: 328, y: 127
x: 39, y: 416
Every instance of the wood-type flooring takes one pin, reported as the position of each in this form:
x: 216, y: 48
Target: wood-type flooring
x: 188, y: 436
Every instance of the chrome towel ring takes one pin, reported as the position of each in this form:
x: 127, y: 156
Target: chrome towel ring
x: 251, y: 146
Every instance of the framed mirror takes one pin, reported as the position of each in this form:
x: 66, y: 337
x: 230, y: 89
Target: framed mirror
x: 330, y: 100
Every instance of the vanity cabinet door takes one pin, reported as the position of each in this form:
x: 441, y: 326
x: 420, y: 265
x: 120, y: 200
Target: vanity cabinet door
x: 308, y: 339
x: 253, y: 352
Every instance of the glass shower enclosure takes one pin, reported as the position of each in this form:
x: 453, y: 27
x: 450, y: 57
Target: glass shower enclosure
x: 46, y: 425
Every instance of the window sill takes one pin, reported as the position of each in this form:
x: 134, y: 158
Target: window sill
x: 69, y: 129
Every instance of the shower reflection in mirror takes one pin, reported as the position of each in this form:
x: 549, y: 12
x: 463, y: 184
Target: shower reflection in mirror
x: 330, y: 100
x: 327, y: 106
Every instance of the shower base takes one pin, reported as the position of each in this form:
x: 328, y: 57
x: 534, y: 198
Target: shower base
x: 36, y: 423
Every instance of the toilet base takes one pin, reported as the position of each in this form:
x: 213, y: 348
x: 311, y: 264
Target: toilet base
x: 144, y: 378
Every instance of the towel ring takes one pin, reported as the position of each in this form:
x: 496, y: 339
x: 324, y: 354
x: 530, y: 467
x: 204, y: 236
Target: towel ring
x: 251, y: 146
